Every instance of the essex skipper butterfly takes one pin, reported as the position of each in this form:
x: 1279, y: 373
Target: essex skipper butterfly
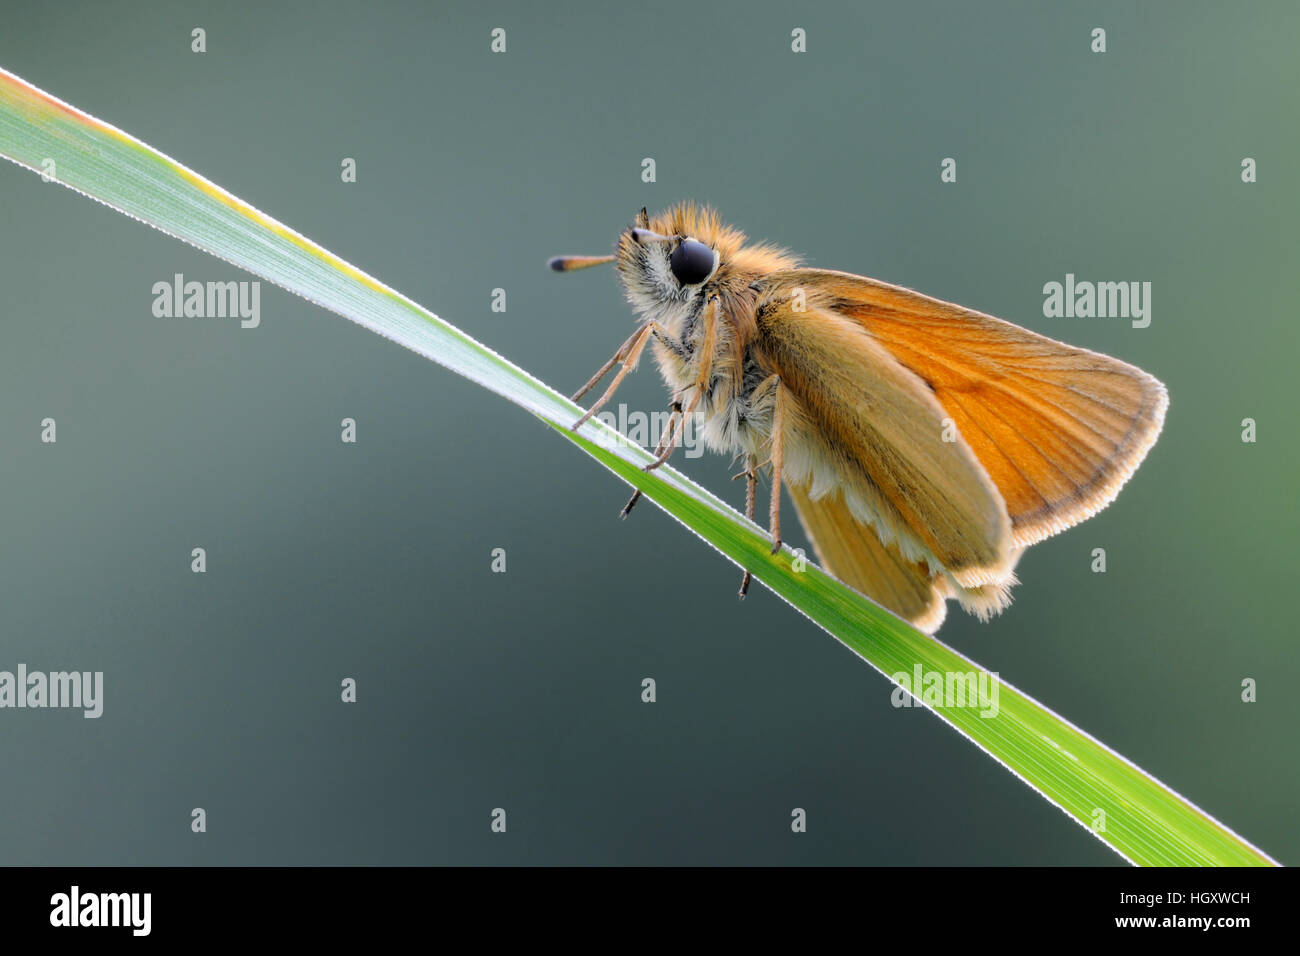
x: 924, y: 445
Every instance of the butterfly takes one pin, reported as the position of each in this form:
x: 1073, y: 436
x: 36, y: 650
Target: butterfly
x: 924, y: 445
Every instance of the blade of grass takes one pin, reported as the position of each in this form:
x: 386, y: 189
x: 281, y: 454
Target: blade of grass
x: 1146, y: 822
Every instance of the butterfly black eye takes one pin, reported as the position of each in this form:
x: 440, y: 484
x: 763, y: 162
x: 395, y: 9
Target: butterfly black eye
x: 691, y: 262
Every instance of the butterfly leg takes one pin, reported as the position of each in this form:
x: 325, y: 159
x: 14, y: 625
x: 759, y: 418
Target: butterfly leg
x: 777, y: 453
x: 629, y: 354
x: 666, y: 449
x: 676, y: 409
x: 750, y: 475
x: 703, y: 374
x: 604, y: 369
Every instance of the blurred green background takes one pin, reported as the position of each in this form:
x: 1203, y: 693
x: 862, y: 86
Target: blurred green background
x: 522, y: 690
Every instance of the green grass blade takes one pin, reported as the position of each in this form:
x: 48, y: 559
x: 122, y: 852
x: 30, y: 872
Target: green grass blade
x: 1146, y: 822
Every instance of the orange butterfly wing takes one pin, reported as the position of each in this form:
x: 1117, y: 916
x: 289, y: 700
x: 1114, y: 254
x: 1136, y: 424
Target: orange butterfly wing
x: 854, y: 553
x: 1058, y: 429
x: 859, y: 422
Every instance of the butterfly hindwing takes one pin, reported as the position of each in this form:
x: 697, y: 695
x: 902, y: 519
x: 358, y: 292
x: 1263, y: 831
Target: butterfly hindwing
x: 855, y: 554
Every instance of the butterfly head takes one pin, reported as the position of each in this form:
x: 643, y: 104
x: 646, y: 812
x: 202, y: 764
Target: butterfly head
x: 671, y: 263
x: 665, y: 264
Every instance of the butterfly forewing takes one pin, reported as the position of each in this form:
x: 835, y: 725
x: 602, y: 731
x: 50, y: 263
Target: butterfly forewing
x: 1058, y: 429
